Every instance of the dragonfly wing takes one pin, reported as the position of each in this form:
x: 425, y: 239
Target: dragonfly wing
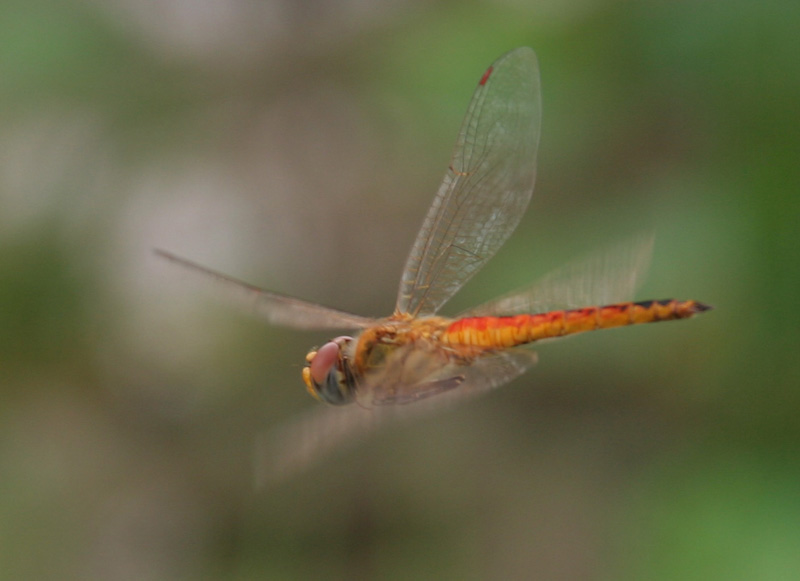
x: 486, y: 188
x: 297, y: 445
x: 495, y: 370
x: 604, y: 277
x: 411, y: 375
x: 276, y: 308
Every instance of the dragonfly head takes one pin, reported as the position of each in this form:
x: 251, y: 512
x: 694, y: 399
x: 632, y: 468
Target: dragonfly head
x: 327, y: 373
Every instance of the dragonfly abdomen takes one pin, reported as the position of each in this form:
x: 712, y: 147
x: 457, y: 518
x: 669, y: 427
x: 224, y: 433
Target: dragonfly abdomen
x: 503, y: 332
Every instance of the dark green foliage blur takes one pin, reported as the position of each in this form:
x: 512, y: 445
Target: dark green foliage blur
x: 297, y: 146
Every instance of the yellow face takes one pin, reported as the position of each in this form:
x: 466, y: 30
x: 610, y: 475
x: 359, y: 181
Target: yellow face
x: 307, y: 375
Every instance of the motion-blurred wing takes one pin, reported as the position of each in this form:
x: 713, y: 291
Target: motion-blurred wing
x: 276, y: 308
x: 605, y: 277
x: 301, y: 442
x: 486, y: 188
x: 413, y: 376
x: 297, y: 445
x: 495, y: 370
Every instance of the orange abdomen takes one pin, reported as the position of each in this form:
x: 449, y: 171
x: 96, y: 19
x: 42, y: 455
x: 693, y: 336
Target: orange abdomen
x: 502, y: 332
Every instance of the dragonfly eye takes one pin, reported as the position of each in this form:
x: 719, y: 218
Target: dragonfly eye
x: 327, y: 374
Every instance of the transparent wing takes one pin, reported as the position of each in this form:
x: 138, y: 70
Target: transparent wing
x: 276, y: 308
x: 411, y: 375
x: 302, y: 442
x: 605, y: 277
x: 496, y: 370
x: 486, y: 188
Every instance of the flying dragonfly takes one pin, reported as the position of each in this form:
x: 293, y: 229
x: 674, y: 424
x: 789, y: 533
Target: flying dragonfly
x: 415, y: 355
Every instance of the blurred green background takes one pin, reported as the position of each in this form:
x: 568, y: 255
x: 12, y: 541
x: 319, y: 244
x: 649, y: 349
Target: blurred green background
x: 297, y: 145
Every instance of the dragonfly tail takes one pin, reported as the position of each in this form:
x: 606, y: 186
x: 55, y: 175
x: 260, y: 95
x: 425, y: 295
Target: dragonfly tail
x: 505, y: 332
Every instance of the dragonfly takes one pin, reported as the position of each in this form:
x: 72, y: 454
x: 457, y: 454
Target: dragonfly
x: 415, y: 354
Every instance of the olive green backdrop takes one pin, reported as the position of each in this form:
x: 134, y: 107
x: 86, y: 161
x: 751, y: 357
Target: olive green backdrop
x: 297, y: 146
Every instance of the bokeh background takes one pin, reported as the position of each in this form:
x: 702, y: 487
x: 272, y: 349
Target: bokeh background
x: 297, y: 145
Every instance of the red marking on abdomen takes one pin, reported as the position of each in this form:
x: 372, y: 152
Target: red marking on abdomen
x: 504, y: 332
x: 486, y: 76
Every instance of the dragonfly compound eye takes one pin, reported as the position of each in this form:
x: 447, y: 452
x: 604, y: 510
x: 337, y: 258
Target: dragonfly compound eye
x: 326, y: 375
x: 323, y: 361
